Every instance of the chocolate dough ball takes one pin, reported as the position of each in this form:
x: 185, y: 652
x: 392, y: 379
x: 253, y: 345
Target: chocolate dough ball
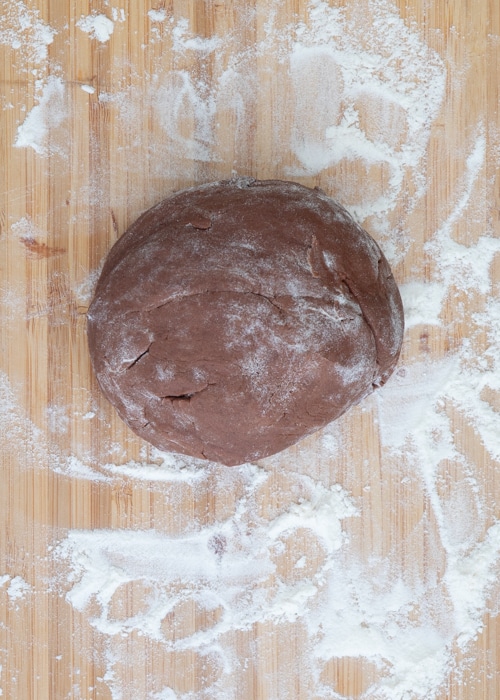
x: 235, y: 318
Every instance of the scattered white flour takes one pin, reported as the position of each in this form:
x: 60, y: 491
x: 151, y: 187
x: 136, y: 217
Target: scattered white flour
x: 75, y: 468
x: 322, y: 514
x: 17, y: 429
x: 50, y: 112
x: 165, y: 694
x: 97, y: 26
x: 157, y: 15
x: 353, y: 91
x: 57, y: 419
x: 227, y: 566
x: 83, y: 292
x: 378, y: 93
x: 166, y: 468
x: 469, y: 579
x: 17, y: 589
x: 184, y: 40
x: 25, y: 228
x: 410, y: 405
x: 422, y: 302
x: 383, y: 88
x: 465, y: 266
x: 351, y: 608
x: 358, y: 85
x: 23, y: 30
x: 118, y: 14
x: 171, y: 468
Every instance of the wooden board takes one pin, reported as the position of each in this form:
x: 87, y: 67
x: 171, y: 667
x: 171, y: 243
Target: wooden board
x: 96, y: 128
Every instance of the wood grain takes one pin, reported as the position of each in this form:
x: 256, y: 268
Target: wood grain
x: 61, y: 211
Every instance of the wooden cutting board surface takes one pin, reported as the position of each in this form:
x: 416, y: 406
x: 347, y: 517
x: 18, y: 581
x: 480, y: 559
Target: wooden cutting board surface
x: 127, y: 574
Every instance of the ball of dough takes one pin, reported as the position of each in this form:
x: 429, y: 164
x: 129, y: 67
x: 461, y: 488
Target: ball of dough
x: 235, y: 318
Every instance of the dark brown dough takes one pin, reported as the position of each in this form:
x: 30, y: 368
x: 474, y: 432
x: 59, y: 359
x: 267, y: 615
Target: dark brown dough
x: 235, y: 318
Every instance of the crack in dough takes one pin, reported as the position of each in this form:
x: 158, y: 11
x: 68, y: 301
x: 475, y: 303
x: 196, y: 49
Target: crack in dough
x: 233, y: 319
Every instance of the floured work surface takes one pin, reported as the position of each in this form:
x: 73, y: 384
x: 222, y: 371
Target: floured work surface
x: 362, y: 563
x: 232, y: 338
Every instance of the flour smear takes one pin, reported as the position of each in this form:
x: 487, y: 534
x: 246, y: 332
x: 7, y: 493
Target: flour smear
x: 360, y: 85
x: 48, y: 114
